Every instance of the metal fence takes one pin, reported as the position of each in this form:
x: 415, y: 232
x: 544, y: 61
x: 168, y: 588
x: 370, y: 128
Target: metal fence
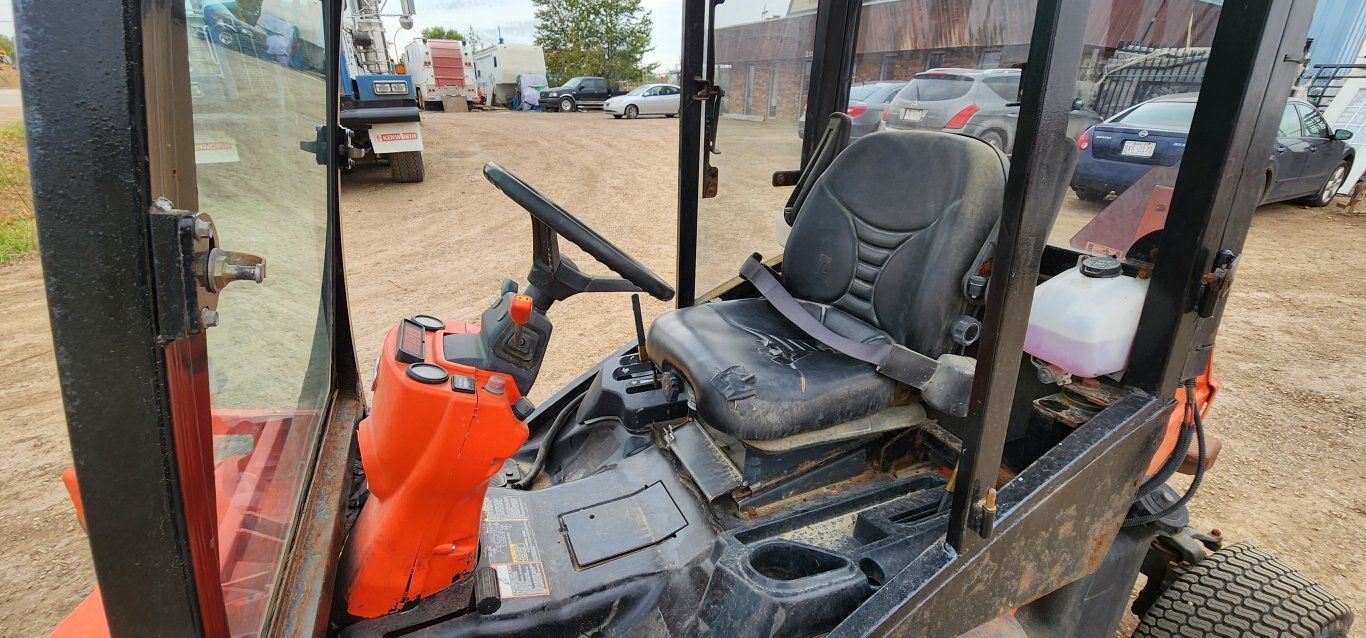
x: 1327, y: 79
x: 1137, y: 74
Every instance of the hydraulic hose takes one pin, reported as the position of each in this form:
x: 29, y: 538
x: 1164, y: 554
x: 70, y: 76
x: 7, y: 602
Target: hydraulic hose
x: 1199, y: 466
x: 1183, y: 443
x: 570, y: 409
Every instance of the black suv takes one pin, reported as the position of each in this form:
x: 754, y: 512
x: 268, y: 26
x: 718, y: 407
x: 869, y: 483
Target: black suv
x: 581, y: 92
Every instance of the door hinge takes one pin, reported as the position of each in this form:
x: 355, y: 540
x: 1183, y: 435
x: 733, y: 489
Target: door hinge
x: 189, y: 270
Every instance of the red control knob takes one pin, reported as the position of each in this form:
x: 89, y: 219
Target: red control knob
x: 520, y: 310
x: 521, y: 313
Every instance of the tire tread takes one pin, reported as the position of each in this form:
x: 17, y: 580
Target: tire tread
x: 1241, y: 590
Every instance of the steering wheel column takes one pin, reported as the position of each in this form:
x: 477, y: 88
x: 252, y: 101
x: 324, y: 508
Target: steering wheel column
x: 554, y: 277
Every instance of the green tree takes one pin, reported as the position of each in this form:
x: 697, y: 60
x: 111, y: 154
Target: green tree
x: 441, y: 33
x: 7, y: 46
x: 608, y: 38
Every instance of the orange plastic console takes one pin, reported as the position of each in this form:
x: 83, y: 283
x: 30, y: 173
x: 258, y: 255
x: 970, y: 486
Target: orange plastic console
x: 437, y: 433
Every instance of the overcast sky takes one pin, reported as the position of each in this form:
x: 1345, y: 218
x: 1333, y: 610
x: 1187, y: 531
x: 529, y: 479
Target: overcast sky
x: 517, y: 19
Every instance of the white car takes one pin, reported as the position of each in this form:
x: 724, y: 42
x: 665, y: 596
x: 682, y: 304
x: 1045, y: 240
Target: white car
x: 648, y: 99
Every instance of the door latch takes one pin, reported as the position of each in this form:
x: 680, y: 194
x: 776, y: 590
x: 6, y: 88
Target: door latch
x: 189, y: 270
x: 1214, y: 286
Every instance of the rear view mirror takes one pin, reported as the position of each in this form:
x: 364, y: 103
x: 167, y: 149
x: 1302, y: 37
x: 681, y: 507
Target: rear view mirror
x: 1342, y: 134
x: 1078, y: 104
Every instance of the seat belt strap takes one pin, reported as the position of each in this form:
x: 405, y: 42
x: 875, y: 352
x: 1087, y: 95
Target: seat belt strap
x: 892, y: 360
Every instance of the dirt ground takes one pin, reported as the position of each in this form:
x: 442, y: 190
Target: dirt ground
x: 1292, y: 359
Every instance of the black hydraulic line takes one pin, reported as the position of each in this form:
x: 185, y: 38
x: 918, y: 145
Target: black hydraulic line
x: 543, y: 453
x: 1199, y: 468
x: 1183, y: 443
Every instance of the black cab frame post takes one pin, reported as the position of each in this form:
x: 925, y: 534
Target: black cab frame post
x: 1253, y: 63
x: 1046, y: 94
x: 97, y: 166
x: 832, y: 65
x: 97, y: 265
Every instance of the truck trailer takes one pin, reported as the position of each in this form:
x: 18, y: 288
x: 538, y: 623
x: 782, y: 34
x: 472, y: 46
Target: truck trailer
x: 497, y: 68
x: 440, y: 68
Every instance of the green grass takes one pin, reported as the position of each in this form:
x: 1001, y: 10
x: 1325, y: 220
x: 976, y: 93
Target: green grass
x: 18, y: 234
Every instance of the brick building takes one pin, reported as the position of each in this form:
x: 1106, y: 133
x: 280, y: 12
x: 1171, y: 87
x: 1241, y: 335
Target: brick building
x: 765, y: 65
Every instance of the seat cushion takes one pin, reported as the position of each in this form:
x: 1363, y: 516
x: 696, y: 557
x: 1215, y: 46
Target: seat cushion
x: 756, y: 376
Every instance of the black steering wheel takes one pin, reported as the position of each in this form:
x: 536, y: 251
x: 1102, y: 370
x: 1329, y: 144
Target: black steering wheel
x: 557, y: 277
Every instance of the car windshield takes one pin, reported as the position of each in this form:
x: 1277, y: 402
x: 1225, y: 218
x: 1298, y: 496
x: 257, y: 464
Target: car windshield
x: 933, y: 87
x: 574, y: 81
x: 640, y: 89
x: 862, y: 92
x: 1172, y: 116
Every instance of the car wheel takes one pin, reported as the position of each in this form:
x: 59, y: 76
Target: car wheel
x: 1330, y: 186
x: 567, y: 105
x: 632, y: 111
x: 1088, y: 195
x: 226, y: 37
x: 996, y: 140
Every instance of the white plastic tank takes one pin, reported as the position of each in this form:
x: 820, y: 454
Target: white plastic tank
x: 1084, y: 320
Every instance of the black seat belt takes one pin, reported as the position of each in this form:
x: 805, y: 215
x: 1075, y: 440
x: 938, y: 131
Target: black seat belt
x: 945, y: 384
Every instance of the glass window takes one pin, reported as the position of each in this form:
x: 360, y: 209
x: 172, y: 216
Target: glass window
x: 258, y: 89
x: 861, y: 92
x: 1314, y: 124
x: 1172, y: 116
x: 937, y: 87
x: 1007, y: 86
x: 1290, y: 123
x: 763, y: 65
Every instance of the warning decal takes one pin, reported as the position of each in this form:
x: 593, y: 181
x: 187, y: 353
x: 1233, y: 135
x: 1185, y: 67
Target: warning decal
x: 521, y: 580
x: 510, y: 548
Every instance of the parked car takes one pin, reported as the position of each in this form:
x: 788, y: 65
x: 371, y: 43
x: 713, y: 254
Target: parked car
x: 580, y: 92
x: 866, y: 104
x: 1309, y: 159
x: 647, y: 99
x: 979, y: 103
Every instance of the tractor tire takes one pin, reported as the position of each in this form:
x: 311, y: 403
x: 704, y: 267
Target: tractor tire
x: 406, y: 168
x: 1243, y: 591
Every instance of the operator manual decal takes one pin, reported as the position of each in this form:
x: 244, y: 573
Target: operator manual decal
x: 511, y: 550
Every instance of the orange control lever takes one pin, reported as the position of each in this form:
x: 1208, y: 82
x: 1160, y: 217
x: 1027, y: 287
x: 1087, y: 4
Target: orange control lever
x: 520, y: 311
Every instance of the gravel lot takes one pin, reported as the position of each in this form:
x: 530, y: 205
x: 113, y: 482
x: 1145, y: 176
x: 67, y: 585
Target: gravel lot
x: 1292, y: 357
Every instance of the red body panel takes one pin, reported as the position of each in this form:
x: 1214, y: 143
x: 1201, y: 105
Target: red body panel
x: 428, y: 452
x: 448, y: 64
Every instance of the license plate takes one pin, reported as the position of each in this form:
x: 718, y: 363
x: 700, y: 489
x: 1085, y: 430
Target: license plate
x: 1134, y: 148
x: 913, y: 115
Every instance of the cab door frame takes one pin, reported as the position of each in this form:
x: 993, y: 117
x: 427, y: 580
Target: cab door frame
x: 136, y: 401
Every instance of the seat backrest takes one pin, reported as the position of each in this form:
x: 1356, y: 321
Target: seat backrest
x: 888, y: 231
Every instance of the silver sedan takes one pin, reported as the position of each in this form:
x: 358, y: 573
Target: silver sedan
x: 648, y: 99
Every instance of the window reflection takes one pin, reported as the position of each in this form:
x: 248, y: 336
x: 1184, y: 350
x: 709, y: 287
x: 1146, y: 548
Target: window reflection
x: 258, y: 89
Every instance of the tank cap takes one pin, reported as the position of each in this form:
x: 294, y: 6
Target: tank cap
x: 1101, y: 267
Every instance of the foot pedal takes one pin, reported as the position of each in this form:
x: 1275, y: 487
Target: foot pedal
x: 486, y: 600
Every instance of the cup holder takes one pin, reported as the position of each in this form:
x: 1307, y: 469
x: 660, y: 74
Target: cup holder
x: 783, y: 561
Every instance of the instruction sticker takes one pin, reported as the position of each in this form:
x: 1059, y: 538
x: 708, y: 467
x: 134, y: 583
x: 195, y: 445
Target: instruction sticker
x: 510, y: 548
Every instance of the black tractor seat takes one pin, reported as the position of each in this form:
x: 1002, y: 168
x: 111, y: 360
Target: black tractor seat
x: 878, y: 251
